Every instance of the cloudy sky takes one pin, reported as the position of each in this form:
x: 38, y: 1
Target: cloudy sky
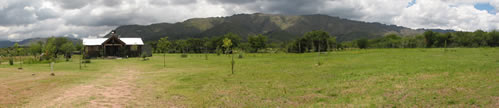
x: 21, y: 19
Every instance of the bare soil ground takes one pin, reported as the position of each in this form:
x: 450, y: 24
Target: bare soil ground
x: 115, y: 89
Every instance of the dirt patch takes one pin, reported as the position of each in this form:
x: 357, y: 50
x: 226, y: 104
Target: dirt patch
x: 115, y: 89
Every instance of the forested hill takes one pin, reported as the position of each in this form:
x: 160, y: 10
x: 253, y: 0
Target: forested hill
x: 276, y: 27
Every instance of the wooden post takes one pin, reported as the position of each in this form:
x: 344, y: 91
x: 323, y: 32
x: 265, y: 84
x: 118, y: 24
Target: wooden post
x: 52, y: 66
x: 299, y: 46
x: 232, y: 62
x: 164, y: 59
x: 319, y: 55
x: 206, y: 53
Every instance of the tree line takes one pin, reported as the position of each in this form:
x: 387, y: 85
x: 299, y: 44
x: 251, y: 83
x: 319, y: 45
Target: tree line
x: 317, y: 41
x: 47, y: 50
x: 255, y: 43
x: 313, y: 41
x: 430, y: 39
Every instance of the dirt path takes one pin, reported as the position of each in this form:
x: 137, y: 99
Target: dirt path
x: 115, y: 89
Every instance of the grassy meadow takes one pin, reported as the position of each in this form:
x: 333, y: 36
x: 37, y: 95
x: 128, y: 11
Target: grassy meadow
x: 460, y: 77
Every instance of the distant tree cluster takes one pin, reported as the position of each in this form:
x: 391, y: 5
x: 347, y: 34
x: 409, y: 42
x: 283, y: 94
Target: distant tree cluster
x: 430, y: 39
x: 210, y: 45
x: 313, y: 41
x: 43, y: 50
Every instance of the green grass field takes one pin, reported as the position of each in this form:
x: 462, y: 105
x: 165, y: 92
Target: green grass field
x: 462, y: 77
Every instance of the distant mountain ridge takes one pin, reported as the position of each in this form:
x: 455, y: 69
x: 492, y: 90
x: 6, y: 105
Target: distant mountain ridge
x: 277, y: 27
x: 27, y: 42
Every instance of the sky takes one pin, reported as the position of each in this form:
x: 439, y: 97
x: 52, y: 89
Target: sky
x: 22, y: 19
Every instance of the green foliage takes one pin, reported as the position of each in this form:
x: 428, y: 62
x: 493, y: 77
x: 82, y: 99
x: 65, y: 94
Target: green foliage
x: 389, y: 41
x: 362, y: 43
x: 11, y: 61
x: 227, y: 44
x: 195, y: 45
x: 430, y: 38
x: 50, y: 49
x: 437, y: 40
x: 240, y: 55
x: 144, y: 56
x: 36, y: 48
x: 257, y: 42
x: 313, y: 41
x: 67, y: 48
x: 181, y: 46
x: 183, y: 55
x: 163, y: 45
x: 494, y: 38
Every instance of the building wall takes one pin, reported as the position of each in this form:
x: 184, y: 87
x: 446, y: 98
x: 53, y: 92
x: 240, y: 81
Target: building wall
x: 128, y: 50
x: 93, y: 51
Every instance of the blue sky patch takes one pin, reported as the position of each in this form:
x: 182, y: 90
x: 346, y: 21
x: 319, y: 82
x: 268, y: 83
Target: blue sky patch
x: 411, y: 3
x: 486, y: 6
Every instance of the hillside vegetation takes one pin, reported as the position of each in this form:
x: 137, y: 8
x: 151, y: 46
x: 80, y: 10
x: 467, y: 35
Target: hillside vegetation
x: 277, y: 27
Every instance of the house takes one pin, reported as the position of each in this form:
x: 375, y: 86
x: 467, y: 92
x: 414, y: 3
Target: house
x: 113, y: 46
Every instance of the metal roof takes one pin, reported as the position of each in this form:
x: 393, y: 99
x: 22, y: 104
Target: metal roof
x: 132, y: 41
x: 93, y: 41
x: 99, y: 41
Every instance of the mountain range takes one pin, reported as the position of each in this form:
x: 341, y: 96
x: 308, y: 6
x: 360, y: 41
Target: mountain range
x: 276, y: 27
x: 27, y: 42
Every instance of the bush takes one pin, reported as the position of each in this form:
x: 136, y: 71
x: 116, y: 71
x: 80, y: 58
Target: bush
x: 144, y: 56
x: 86, y: 61
x: 362, y: 43
x: 240, y: 56
x: 11, y: 61
x: 183, y: 55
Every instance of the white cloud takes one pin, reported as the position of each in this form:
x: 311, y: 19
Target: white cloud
x: 445, y: 15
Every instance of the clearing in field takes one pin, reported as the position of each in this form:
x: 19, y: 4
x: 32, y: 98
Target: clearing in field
x: 461, y: 77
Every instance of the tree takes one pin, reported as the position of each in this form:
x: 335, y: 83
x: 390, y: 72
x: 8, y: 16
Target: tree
x: 235, y: 40
x: 15, y: 52
x: 257, y: 42
x: 67, y: 48
x: 36, y: 48
x: 195, y: 45
x: 18, y: 52
x: 227, y: 45
x: 494, y: 38
x: 331, y: 43
x: 50, y: 52
x: 21, y: 52
x: 313, y: 41
x: 429, y: 38
x: 317, y: 40
x: 163, y: 45
x: 362, y: 43
x: 58, y: 42
x: 181, y: 45
x: 480, y: 38
x: 78, y: 46
x: 206, y: 44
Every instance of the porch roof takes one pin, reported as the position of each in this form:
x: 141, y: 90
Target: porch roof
x: 99, y: 41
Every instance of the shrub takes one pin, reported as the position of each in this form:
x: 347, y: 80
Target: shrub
x: 11, y: 61
x: 183, y: 55
x: 362, y: 43
x: 144, y: 56
x: 86, y: 61
x: 240, y: 56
